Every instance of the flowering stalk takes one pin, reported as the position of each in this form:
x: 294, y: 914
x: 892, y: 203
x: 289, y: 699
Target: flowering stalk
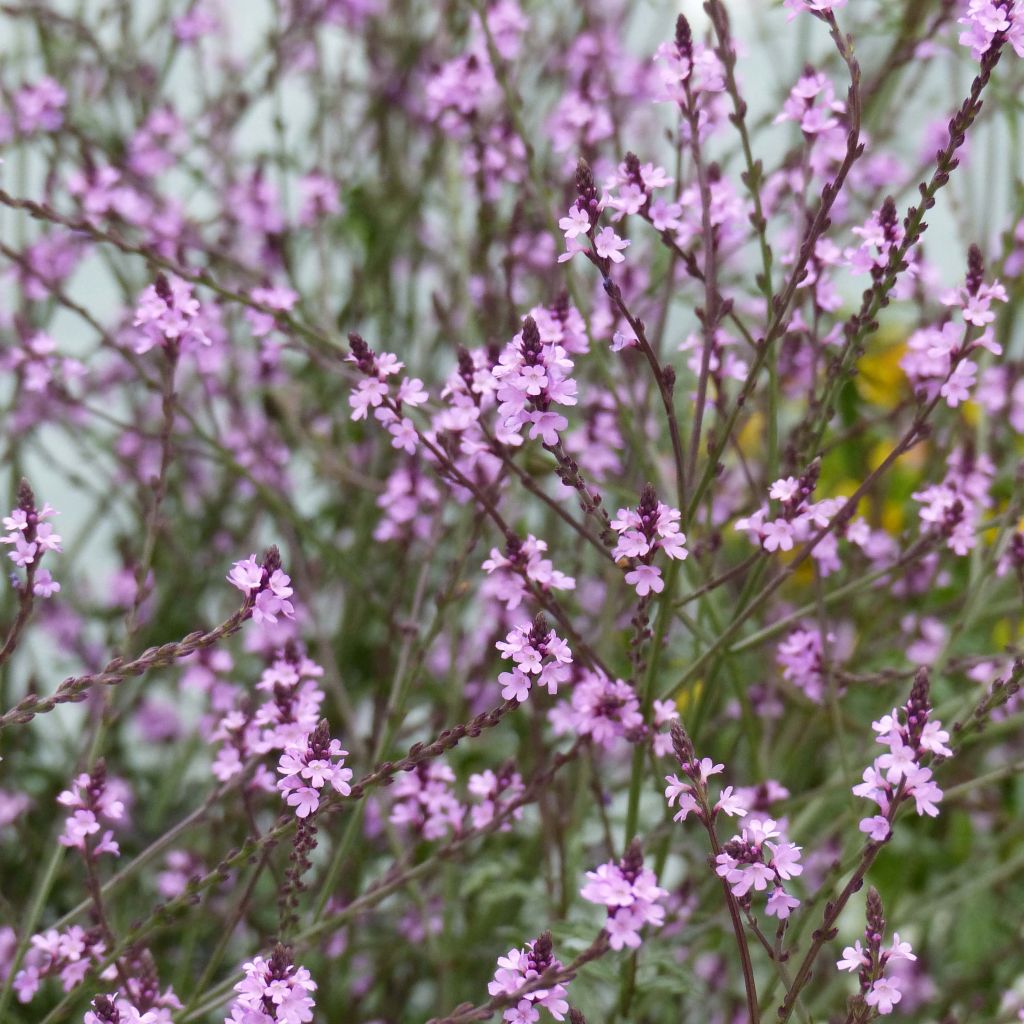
x: 693, y: 797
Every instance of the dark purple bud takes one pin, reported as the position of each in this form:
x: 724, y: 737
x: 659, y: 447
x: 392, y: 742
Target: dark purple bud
x: 26, y: 499
x: 682, y: 746
x: 271, y: 560
x: 684, y: 38
x: 632, y: 162
x: 975, y: 270
x: 163, y: 289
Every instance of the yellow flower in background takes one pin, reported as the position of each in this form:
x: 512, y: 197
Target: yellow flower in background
x: 686, y: 699
x: 752, y: 434
x: 880, y: 380
x: 1004, y: 633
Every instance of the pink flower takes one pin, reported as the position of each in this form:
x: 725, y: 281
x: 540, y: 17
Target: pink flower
x: 78, y: 827
x: 546, y: 426
x: 854, y: 958
x: 778, y: 535
x: 883, y: 995
x: 577, y: 223
x: 572, y: 247
x: 246, y: 575
x: 815, y: 6
x: 404, y: 435
x: 304, y: 799
x: 609, y: 245
x: 780, y: 904
x: 731, y: 803
x: 646, y: 578
x: 623, y: 929
x: 268, y: 606
x: 514, y: 685
x: 523, y: 1012
x: 900, y: 950
x: 876, y: 827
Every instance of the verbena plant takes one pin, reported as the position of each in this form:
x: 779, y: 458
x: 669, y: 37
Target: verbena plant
x: 616, y: 484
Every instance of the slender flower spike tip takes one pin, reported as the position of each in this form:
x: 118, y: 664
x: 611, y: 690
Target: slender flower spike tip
x: 651, y: 527
x: 583, y: 215
x: 267, y: 586
x: 168, y: 315
x: 308, y: 768
x: 533, y: 377
x: 274, y: 991
x: 899, y: 774
x: 759, y: 859
x: 522, y: 564
x: 869, y: 961
x: 538, y: 656
x: 798, y: 519
x: 91, y: 801
x: 377, y: 393
x: 631, y: 894
x: 30, y: 538
x: 115, y: 1009
x: 520, y: 966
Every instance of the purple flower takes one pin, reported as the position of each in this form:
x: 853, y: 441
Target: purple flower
x: 609, y: 246
x: 247, y: 575
x: 167, y: 313
x: 646, y: 578
x: 576, y: 223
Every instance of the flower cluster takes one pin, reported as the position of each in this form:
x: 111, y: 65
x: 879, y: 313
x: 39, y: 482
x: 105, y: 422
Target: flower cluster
x: 374, y: 392
x: 632, y: 895
x: 492, y: 790
x: 274, y: 991
x: 539, y: 657
x: 603, y: 709
x: 582, y: 219
x: 898, y: 774
x: 650, y: 527
x: 90, y: 798
x: 937, y: 357
x: 521, y: 966
x: 270, y: 584
x: 168, y: 314
x: 116, y: 1009
x: 425, y: 801
x: 37, y: 107
x: 801, y: 519
x: 30, y: 539
x: 532, y: 376
x: 691, y: 797
x: 68, y: 954
x: 688, y: 70
x: 882, y: 237
x: 992, y: 22
x: 800, y: 656
x: 953, y: 509
x: 522, y: 563
x: 870, y: 960
x: 307, y: 768
x: 812, y: 104
x: 284, y: 720
x: 753, y: 861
